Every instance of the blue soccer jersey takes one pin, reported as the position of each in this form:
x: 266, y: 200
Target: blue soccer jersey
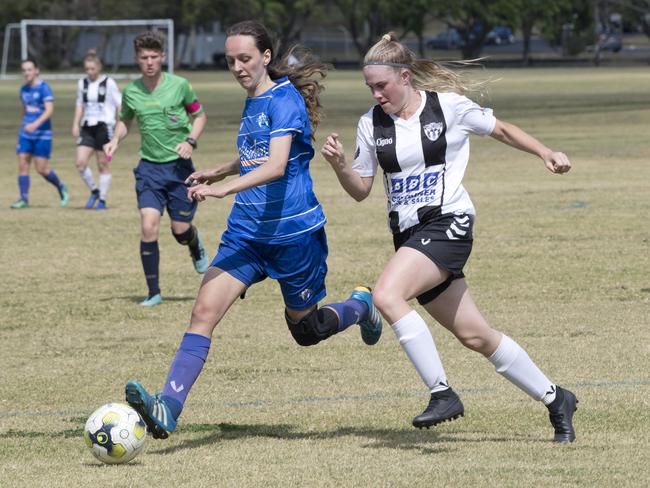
x: 286, y: 208
x: 33, y: 99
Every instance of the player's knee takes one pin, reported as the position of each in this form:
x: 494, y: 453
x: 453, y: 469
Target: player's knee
x: 184, y: 238
x: 81, y: 164
x: 472, y: 340
x: 313, y: 328
x: 43, y: 171
x: 383, y: 299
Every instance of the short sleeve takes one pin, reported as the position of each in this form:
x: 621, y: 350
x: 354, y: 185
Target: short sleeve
x: 46, y: 93
x: 190, y: 100
x: 80, y: 93
x: 473, y: 118
x: 286, y: 116
x: 114, y: 91
x: 126, y: 112
x: 365, y: 157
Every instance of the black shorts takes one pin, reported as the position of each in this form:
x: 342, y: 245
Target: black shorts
x: 446, y: 240
x: 94, y: 136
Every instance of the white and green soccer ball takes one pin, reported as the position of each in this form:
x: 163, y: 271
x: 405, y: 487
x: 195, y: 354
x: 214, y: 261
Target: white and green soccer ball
x: 115, y: 433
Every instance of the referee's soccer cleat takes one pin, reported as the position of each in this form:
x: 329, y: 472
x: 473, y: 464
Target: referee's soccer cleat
x: 560, y: 413
x: 153, y: 410
x: 92, y: 200
x: 64, y: 194
x: 202, y: 263
x: 443, y: 405
x: 372, y: 325
x: 20, y: 203
x: 152, y: 301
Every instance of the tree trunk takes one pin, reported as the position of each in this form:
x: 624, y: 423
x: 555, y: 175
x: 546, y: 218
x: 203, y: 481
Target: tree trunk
x: 526, y: 31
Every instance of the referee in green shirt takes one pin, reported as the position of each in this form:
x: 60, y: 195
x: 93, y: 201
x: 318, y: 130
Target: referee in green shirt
x: 164, y: 106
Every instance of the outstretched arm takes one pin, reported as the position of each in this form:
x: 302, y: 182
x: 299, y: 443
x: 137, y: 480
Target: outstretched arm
x: 358, y: 187
x: 270, y: 170
x: 510, y: 134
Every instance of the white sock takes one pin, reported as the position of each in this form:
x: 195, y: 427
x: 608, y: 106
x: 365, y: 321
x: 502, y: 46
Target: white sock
x: 511, y: 361
x: 416, y: 339
x: 104, y: 184
x: 87, y: 176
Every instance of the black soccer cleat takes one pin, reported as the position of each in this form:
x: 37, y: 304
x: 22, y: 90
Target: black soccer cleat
x: 560, y: 413
x: 443, y: 405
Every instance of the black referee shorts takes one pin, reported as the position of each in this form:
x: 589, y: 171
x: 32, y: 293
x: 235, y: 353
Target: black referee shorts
x: 446, y: 240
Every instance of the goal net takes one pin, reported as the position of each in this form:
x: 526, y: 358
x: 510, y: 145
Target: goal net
x: 60, y: 46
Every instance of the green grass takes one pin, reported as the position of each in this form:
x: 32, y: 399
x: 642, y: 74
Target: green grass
x: 560, y: 263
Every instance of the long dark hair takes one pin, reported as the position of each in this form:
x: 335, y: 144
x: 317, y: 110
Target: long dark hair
x: 298, y: 64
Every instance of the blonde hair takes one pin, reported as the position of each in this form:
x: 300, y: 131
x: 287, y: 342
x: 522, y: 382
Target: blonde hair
x: 426, y: 74
x: 91, y: 56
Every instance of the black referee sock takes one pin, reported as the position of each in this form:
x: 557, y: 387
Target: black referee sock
x: 190, y: 238
x: 150, y: 256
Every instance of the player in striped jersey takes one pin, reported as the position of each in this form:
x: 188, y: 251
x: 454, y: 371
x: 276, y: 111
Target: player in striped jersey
x: 98, y: 102
x: 276, y: 227
x: 35, y: 135
x: 418, y: 134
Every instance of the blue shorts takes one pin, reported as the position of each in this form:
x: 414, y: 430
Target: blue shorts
x: 41, y: 148
x: 299, y: 266
x: 162, y: 185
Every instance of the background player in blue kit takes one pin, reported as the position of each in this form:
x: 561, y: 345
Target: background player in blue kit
x: 35, y: 135
x: 418, y: 134
x: 275, y: 228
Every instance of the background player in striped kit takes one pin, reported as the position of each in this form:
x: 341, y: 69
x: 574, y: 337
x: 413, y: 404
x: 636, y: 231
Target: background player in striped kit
x: 275, y: 228
x: 419, y: 135
x: 35, y: 134
x: 98, y: 102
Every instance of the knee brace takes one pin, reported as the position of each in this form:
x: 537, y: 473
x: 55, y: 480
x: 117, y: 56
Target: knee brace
x: 315, y: 327
x: 186, y: 237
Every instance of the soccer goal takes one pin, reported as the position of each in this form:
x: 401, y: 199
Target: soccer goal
x: 60, y: 45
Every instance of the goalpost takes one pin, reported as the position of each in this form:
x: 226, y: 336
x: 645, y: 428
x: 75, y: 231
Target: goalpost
x: 25, y: 25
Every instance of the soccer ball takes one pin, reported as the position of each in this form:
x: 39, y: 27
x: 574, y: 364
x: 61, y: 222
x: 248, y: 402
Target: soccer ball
x: 115, y: 433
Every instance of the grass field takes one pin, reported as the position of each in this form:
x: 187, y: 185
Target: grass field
x: 560, y: 263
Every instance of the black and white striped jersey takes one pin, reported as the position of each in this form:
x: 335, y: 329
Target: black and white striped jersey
x: 423, y: 158
x: 99, y: 99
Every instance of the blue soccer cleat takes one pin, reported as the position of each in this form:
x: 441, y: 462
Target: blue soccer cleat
x: 92, y: 200
x: 202, y: 264
x: 101, y: 205
x: 64, y: 194
x: 372, y: 325
x: 152, y: 301
x: 153, y: 410
x: 20, y: 203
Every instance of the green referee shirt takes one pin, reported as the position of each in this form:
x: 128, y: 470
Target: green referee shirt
x: 163, y: 115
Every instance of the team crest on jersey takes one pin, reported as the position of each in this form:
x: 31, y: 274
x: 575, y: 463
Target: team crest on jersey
x: 101, y: 90
x: 305, y: 294
x: 262, y: 120
x: 433, y: 130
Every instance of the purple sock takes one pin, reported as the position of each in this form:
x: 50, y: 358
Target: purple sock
x: 54, y: 179
x: 185, y: 368
x: 23, y: 187
x: 350, y: 312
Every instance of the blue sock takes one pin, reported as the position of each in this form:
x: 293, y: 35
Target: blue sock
x: 54, y: 179
x: 23, y: 187
x: 350, y: 312
x: 150, y: 256
x: 185, y: 368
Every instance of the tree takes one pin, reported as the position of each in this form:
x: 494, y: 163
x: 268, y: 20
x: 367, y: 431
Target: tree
x: 412, y: 16
x: 367, y: 20
x: 473, y: 19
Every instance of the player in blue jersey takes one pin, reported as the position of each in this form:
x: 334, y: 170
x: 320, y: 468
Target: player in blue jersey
x: 35, y: 135
x: 275, y: 228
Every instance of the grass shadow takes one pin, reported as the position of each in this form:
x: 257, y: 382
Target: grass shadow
x: 424, y: 441
x: 139, y: 298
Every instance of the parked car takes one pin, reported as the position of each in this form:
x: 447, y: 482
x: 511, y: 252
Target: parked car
x: 610, y: 42
x: 501, y: 34
x: 449, y: 39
